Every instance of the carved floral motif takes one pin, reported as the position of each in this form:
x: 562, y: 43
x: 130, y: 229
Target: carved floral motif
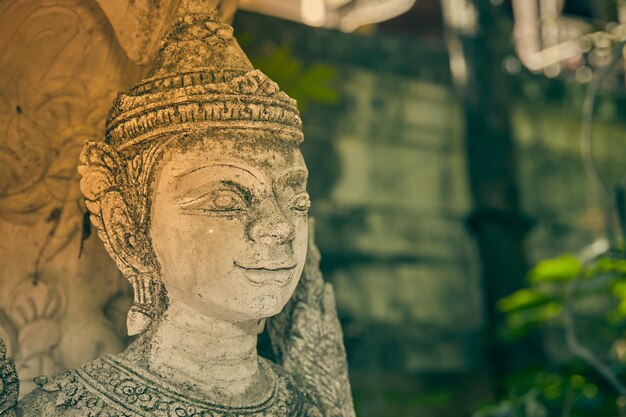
x: 110, y: 387
x: 60, y: 67
x: 46, y: 125
x: 31, y: 325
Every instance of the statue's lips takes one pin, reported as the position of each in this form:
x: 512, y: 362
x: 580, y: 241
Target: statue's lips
x: 270, y: 274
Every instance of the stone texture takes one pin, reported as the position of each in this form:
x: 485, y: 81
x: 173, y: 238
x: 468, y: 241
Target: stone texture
x: 60, y: 69
x: 353, y: 237
x: 198, y: 194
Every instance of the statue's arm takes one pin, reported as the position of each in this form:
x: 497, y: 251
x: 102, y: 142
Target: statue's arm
x: 9, y: 384
x: 307, y: 339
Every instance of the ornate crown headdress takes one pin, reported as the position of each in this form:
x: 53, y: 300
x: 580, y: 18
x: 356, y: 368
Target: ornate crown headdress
x: 201, y: 80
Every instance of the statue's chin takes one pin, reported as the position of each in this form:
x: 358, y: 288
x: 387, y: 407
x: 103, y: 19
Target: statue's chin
x: 249, y: 308
x: 269, y: 305
x: 263, y: 306
x: 260, y: 293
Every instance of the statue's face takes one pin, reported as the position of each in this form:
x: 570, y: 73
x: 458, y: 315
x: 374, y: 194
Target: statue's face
x: 229, y: 226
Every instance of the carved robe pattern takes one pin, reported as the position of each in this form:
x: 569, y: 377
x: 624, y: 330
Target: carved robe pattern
x: 114, y: 387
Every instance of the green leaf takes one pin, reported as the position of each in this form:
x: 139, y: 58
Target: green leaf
x: 535, y: 316
x: 524, y: 299
x: 607, y: 264
x: 563, y: 268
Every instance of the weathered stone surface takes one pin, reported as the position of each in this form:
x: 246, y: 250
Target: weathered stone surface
x: 199, y: 195
x: 9, y: 383
x: 60, y: 67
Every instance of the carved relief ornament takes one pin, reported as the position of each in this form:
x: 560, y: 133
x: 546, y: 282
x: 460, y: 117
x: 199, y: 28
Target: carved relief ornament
x: 203, y: 101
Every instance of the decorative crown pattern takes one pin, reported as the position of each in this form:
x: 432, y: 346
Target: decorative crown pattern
x: 201, y: 79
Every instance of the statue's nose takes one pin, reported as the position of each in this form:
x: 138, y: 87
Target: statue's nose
x: 272, y: 227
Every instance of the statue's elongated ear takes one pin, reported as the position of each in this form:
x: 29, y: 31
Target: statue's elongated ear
x: 120, y: 234
x: 104, y: 179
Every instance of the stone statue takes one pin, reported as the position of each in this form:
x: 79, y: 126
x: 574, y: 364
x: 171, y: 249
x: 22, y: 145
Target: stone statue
x: 199, y: 195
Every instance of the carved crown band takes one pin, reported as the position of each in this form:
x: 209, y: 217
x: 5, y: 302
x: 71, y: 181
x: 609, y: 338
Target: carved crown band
x: 204, y: 77
x: 192, y: 101
x: 216, y: 114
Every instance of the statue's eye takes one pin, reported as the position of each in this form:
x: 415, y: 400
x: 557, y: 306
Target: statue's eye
x: 222, y: 201
x: 301, y: 203
x: 227, y: 201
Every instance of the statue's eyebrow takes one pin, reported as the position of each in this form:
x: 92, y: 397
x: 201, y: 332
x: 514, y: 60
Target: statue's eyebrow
x: 292, y: 175
x: 191, y: 171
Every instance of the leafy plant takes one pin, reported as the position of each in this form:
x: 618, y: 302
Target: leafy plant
x: 313, y: 83
x: 306, y: 83
x: 583, y: 299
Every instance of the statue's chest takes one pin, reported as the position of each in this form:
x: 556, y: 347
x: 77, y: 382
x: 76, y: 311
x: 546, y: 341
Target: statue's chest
x: 107, y: 389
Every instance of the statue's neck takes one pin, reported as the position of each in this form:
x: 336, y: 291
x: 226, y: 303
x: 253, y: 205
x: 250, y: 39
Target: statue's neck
x: 216, y: 356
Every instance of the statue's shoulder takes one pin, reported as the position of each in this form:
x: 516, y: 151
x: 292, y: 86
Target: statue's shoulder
x: 66, y: 394
x: 62, y: 394
x: 109, y: 387
x: 292, y: 392
x: 43, y: 402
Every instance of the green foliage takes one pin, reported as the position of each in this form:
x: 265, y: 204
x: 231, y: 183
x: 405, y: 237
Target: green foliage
x: 310, y: 83
x: 306, y: 85
x: 571, y: 391
x: 561, y: 269
x: 542, y: 301
x: 567, y: 386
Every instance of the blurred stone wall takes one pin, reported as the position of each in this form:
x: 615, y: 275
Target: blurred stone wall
x: 393, y: 198
x: 389, y: 192
x: 556, y: 190
x: 388, y: 179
